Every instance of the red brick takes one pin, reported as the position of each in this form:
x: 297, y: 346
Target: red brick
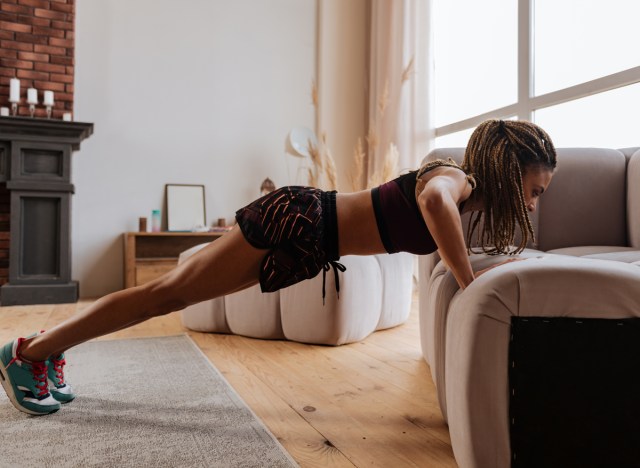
x: 41, y: 31
x: 62, y: 25
x: 9, y: 17
x: 57, y: 6
x: 62, y: 78
x: 69, y: 88
x: 45, y: 49
x: 62, y: 60
x: 33, y: 75
x: 21, y: 37
x: 8, y: 53
x: 33, y: 57
x: 5, y: 217
x: 7, y: 26
x: 70, y: 34
x: 4, y: 235
x: 56, y: 15
x: 34, y: 21
x: 58, y: 87
x: 7, y: 35
x: 16, y: 45
x: 11, y: 63
x: 23, y: 10
x: 11, y: 73
x: 47, y: 67
x: 54, y: 41
x: 4, y: 244
x: 35, y: 3
x: 62, y: 97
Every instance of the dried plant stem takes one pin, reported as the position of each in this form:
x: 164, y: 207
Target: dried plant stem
x: 358, y: 171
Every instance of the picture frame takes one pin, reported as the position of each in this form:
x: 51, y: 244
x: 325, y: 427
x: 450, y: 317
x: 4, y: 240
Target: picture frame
x: 185, y: 207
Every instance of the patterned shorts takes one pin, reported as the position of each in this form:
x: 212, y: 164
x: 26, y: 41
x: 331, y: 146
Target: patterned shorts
x: 298, y: 225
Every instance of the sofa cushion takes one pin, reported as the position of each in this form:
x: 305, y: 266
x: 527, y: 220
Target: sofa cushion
x: 587, y: 197
x: 591, y: 250
x: 627, y: 256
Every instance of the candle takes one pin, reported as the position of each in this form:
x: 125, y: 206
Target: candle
x: 66, y: 116
x: 48, y: 98
x: 4, y: 111
x: 32, y: 96
x: 14, y: 90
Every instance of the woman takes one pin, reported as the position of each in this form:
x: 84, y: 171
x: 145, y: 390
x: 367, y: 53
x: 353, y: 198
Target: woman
x: 295, y: 232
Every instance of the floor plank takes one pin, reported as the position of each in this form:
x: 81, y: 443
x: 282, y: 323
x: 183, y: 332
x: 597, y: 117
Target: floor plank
x: 371, y: 403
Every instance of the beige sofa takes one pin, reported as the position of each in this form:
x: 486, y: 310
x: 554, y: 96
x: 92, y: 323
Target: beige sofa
x: 586, y: 264
x: 375, y: 293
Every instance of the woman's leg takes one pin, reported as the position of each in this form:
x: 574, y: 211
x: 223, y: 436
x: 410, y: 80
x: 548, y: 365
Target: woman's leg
x: 226, y: 265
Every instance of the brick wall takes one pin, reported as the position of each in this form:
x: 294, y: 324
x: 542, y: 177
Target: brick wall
x: 37, y: 47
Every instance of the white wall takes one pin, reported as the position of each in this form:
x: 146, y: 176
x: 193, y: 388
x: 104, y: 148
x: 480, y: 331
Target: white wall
x: 191, y: 91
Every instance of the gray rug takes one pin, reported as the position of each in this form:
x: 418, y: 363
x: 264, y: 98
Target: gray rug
x: 145, y: 402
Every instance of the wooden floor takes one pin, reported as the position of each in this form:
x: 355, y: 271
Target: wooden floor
x: 371, y: 403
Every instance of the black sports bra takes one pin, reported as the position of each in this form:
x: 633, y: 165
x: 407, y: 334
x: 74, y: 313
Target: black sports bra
x: 400, y: 223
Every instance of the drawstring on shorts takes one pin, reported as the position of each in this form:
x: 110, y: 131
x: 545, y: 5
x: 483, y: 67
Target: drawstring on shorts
x: 326, y: 267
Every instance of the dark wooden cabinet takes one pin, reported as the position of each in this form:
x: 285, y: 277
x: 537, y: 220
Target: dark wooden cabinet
x: 35, y: 166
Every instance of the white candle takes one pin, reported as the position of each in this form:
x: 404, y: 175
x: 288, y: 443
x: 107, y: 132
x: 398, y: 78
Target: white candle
x: 66, y: 116
x: 32, y: 96
x: 4, y: 111
x: 48, y: 98
x: 14, y: 90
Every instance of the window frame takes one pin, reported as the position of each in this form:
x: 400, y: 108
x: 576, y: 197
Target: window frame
x: 527, y: 103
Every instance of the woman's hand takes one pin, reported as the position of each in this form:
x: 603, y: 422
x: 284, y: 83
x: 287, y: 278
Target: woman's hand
x: 478, y: 273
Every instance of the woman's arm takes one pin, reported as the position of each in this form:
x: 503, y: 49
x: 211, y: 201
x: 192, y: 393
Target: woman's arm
x: 438, y: 202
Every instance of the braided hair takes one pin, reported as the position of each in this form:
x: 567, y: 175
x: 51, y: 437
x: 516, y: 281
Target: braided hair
x: 497, y: 155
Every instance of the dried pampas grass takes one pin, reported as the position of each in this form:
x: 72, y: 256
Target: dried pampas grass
x: 355, y: 178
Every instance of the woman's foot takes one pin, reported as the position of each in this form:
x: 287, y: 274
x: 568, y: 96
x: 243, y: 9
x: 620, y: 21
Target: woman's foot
x: 25, y: 382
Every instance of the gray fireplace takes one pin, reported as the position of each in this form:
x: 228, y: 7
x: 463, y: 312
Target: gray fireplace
x: 35, y: 170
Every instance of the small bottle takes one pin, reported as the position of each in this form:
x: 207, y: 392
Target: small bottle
x: 155, y: 221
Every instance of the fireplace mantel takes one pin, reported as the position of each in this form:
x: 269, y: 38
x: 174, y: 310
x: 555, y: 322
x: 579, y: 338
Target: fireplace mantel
x: 35, y: 167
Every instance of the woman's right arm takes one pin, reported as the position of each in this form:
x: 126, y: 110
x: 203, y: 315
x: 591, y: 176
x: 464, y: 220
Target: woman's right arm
x: 438, y: 202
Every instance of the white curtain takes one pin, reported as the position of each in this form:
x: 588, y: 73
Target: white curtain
x: 400, y: 84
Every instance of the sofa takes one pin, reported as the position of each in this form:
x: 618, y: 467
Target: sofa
x: 375, y: 294
x: 585, y: 266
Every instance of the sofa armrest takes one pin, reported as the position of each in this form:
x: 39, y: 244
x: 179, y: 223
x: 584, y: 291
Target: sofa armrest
x: 633, y: 199
x: 478, y: 334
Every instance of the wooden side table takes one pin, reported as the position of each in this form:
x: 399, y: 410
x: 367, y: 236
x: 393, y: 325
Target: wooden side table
x: 148, y: 255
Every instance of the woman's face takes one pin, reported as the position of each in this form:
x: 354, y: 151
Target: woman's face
x: 535, y: 181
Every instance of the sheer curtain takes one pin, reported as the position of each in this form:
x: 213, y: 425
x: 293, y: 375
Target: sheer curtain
x: 400, y: 84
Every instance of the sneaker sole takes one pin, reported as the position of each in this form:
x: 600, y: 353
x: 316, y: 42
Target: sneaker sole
x: 4, y: 379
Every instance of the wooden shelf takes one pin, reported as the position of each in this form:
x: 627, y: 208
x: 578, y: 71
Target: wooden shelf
x: 149, y: 255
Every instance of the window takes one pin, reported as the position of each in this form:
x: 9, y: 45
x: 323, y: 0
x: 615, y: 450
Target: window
x: 572, y: 66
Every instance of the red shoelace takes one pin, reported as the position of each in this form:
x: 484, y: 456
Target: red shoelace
x: 58, y: 366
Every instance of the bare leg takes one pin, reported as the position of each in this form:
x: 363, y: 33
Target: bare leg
x: 226, y: 265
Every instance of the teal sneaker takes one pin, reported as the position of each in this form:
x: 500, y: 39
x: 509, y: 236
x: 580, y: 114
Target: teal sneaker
x: 60, y: 390
x: 25, y: 382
